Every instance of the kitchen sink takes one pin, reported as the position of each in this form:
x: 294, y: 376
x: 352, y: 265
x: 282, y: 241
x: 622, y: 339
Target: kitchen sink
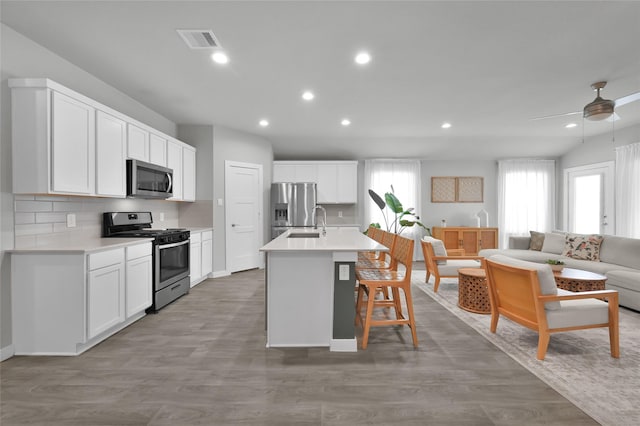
x: 304, y: 235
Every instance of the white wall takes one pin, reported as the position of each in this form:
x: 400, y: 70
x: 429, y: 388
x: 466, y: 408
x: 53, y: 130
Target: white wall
x: 233, y: 145
x: 21, y: 57
x: 199, y: 213
x: 458, y: 214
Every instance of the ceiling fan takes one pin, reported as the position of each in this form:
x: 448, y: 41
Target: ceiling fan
x: 599, y: 109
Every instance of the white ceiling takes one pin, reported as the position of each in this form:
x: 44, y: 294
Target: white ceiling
x: 487, y: 67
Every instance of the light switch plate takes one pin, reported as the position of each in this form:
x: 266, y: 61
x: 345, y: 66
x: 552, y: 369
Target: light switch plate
x: 343, y: 273
x: 71, y: 220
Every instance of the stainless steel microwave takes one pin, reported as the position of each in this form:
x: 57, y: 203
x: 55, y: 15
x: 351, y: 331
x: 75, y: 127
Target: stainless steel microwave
x: 146, y: 180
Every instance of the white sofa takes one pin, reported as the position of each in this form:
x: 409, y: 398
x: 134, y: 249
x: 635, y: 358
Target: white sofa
x: 619, y: 261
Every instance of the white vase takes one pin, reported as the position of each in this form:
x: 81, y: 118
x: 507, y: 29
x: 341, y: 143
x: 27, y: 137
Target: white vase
x: 483, y: 218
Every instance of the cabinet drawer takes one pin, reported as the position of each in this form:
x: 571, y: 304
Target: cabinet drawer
x: 139, y: 250
x: 207, y: 235
x: 106, y: 258
x: 196, y: 237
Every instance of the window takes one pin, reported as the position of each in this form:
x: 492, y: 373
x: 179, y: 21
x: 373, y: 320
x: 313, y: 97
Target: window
x: 628, y: 190
x: 526, y: 197
x: 404, y: 175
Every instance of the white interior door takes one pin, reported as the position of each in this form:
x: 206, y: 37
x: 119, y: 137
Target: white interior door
x: 243, y: 215
x: 589, y: 201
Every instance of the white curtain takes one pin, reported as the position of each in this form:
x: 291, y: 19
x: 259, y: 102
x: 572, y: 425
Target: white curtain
x: 404, y: 176
x: 628, y: 190
x: 526, y: 197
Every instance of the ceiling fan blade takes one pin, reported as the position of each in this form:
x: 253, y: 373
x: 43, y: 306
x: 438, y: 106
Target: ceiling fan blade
x: 628, y: 99
x: 556, y: 115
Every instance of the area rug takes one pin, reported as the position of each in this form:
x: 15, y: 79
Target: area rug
x: 578, y: 365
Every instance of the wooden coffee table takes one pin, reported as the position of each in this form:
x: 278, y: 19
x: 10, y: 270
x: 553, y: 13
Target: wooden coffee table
x: 473, y: 294
x: 578, y: 280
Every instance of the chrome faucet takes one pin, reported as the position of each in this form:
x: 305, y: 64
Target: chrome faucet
x: 324, y: 221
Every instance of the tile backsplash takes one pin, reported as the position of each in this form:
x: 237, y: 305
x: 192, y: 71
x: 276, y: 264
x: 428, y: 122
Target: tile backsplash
x: 43, y: 219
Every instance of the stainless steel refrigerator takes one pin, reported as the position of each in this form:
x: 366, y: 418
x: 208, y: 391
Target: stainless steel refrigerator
x: 292, y: 206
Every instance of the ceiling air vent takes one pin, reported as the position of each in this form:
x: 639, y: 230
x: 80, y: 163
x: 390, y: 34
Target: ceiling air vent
x: 199, y: 39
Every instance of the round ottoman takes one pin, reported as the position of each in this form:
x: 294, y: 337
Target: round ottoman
x: 473, y: 295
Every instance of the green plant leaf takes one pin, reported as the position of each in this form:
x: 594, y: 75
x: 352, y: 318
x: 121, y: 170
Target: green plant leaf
x: 392, y: 201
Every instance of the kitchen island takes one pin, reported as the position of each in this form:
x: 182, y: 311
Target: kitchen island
x: 310, y: 282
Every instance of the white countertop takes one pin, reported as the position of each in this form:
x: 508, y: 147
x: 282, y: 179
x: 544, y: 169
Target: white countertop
x: 80, y: 245
x: 335, y: 240
x: 196, y: 229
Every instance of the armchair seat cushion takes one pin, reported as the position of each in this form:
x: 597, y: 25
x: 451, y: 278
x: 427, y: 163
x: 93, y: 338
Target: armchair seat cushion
x: 578, y: 313
x: 452, y: 266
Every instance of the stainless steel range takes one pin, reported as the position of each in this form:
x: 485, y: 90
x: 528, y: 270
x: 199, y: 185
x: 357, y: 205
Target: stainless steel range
x: 170, y: 253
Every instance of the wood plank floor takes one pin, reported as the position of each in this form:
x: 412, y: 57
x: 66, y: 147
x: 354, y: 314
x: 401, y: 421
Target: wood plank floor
x: 202, y: 361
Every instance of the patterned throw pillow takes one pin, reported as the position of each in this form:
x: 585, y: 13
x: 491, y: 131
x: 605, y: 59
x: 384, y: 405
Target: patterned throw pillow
x: 537, y: 239
x: 584, y: 247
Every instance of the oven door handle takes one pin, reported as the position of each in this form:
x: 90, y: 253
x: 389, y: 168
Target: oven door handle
x: 166, y: 246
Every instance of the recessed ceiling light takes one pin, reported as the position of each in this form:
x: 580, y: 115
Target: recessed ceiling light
x: 345, y: 122
x: 308, y: 95
x: 264, y: 123
x: 446, y: 125
x: 362, y: 58
x: 570, y: 125
x: 220, y: 58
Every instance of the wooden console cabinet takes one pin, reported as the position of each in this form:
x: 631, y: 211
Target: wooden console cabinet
x: 472, y: 240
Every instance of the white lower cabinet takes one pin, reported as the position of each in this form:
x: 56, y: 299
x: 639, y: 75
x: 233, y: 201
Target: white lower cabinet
x: 195, y: 258
x: 66, y: 302
x: 106, y: 298
x: 207, y: 253
x: 139, y: 279
x: 201, y: 256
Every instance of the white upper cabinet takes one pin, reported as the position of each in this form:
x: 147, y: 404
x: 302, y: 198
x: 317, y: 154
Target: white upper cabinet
x: 72, y: 146
x: 284, y: 172
x: 137, y: 143
x: 157, y: 150
x: 174, y: 162
x: 327, y: 183
x: 347, y: 185
x: 337, y: 180
x: 188, y: 173
x: 66, y: 143
x: 111, y: 152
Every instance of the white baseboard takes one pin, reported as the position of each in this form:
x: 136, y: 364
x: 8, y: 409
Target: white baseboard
x: 218, y: 274
x: 6, y: 352
x: 343, y: 345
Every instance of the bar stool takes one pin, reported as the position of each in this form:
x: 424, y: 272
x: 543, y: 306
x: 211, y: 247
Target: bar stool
x: 369, y: 280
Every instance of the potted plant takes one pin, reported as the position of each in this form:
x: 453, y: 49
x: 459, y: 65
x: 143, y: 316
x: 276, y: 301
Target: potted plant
x: 556, y: 265
x: 403, y: 218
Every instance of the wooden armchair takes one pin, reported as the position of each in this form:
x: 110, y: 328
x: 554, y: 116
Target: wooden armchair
x: 527, y: 294
x: 447, y: 265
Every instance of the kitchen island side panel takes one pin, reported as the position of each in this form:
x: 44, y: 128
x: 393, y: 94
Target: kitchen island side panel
x: 299, y: 299
x: 344, y: 300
